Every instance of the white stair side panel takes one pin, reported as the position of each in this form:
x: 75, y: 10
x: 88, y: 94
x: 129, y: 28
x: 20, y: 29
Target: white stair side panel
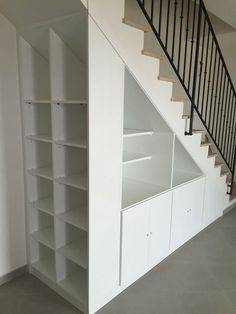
x: 127, y: 41
x: 106, y: 87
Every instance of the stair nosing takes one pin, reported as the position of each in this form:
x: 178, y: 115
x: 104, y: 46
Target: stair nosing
x: 166, y: 79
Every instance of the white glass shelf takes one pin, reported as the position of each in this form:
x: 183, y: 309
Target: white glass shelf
x: 80, y: 143
x: 76, y: 252
x: 45, y: 172
x: 132, y: 132
x: 76, y: 285
x: 45, y: 205
x: 135, y: 192
x: 76, y: 217
x: 77, y: 181
x: 46, y: 266
x: 45, y: 236
x: 40, y: 138
x: 131, y: 157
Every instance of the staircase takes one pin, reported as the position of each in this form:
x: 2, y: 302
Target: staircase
x: 179, y: 33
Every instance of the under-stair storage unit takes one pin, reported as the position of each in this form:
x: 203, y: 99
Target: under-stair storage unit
x: 102, y: 166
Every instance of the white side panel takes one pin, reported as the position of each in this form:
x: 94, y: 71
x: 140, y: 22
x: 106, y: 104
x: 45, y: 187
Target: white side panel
x: 12, y: 208
x: 106, y: 84
x: 160, y: 220
x: 135, y: 240
x: 187, y: 212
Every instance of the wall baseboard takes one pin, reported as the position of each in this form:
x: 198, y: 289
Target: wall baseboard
x: 14, y: 274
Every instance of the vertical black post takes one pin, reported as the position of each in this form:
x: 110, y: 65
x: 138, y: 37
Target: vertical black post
x: 195, y: 70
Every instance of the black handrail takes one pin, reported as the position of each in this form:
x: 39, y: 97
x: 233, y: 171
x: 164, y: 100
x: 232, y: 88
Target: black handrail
x: 185, y: 33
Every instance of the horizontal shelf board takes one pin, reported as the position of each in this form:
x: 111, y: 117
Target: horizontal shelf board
x: 132, y: 132
x: 69, y: 102
x: 40, y: 138
x: 76, y: 285
x: 76, y: 217
x: 130, y: 157
x: 57, y: 101
x: 76, y: 252
x: 77, y: 180
x: 47, y: 267
x: 45, y: 236
x: 134, y: 192
x: 46, y: 172
x: 181, y: 177
x: 80, y: 143
x: 37, y: 101
x: 45, y: 205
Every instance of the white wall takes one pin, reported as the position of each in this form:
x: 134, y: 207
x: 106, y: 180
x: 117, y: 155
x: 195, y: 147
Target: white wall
x: 12, y: 212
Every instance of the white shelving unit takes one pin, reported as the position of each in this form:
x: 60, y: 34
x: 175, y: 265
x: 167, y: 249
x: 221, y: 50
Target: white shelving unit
x: 53, y: 60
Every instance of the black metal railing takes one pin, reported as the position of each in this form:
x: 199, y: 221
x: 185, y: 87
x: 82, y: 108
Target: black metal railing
x: 185, y: 33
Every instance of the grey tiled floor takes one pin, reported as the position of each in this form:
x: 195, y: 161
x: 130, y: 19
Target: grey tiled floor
x: 199, y: 278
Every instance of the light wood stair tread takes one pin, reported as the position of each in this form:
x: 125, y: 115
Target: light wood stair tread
x: 218, y: 164
x: 166, y: 79
x: 152, y: 54
x: 206, y: 143
x: 135, y: 25
x: 197, y: 131
x: 211, y: 155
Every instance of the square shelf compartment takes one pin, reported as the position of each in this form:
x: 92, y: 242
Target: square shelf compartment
x: 39, y: 159
x: 72, y: 243
x: 42, y: 228
x: 72, y: 206
x: 43, y: 260
x: 71, y: 125
x: 74, y: 281
x: 71, y: 166
x: 38, y: 126
x: 42, y: 195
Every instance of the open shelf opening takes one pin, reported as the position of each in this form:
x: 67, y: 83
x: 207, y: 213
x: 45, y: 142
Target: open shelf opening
x: 74, y: 281
x: 72, y: 243
x: 43, y: 260
x: 42, y: 196
x: 34, y: 56
x: 42, y: 228
x: 184, y: 168
x: 71, y: 125
x: 39, y: 159
x: 38, y: 126
x: 71, y: 167
x: 73, y: 207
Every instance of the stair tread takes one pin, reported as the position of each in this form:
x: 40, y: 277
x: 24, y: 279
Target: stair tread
x: 223, y: 173
x: 151, y: 54
x: 218, y: 164
x: 179, y: 99
x: 211, y: 155
x: 136, y: 25
x: 185, y: 116
x: 167, y: 79
x: 206, y: 143
x: 195, y: 131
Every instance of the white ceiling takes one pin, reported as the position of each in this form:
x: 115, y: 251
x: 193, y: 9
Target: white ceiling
x: 26, y: 12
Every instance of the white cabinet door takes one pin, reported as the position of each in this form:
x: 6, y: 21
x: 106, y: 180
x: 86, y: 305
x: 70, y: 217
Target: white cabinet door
x: 187, y: 211
x: 135, y: 235
x: 159, y: 226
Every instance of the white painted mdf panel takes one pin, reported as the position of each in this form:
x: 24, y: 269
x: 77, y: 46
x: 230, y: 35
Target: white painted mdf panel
x: 187, y: 211
x: 160, y: 221
x: 135, y: 240
x: 106, y: 93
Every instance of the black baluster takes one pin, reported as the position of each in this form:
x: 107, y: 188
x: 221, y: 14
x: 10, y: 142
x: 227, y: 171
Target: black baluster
x: 180, y: 32
x: 186, y: 41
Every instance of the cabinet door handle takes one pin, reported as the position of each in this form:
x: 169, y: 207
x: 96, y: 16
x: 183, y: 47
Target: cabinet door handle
x: 147, y: 234
x: 151, y: 233
x: 189, y: 210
